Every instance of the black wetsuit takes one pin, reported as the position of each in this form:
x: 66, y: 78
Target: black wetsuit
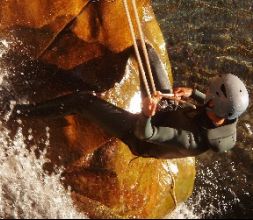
x: 169, y: 134
x: 185, y: 130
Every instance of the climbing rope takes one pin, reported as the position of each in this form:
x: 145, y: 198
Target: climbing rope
x: 144, y: 48
x: 137, y: 52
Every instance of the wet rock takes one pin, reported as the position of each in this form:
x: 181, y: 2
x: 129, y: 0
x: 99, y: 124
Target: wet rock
x: 66, y: 46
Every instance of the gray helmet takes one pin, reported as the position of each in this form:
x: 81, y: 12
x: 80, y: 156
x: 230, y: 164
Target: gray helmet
x: 229, y: 94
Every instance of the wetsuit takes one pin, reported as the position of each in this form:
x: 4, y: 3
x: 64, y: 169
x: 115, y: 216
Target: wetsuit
x: 169, y: 134
x: 188, y: 130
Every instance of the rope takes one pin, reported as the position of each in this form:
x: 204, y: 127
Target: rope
x: 144, y: 48
x: 137, y: 53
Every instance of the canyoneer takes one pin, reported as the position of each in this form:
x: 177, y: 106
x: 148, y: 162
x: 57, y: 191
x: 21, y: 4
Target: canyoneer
x: 162, y: 129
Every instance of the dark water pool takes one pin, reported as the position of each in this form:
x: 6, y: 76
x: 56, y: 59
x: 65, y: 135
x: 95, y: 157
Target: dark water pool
x: 204, y: 38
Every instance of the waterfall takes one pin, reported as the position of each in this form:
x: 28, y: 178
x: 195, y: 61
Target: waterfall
x: 26, y: 190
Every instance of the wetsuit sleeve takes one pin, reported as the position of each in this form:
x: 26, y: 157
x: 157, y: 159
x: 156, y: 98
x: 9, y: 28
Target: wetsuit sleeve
x: 178, y: 137
x: 198, y: 96
x: 144, y: 130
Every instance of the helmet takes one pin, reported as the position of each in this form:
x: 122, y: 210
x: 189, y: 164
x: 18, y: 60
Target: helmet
x: 229, y: 95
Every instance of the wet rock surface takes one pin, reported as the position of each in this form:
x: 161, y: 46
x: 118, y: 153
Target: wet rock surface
x: 51, y: 55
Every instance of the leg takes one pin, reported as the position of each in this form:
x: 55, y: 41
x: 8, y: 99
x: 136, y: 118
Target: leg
x: 112, y: 119
x: 58, y: 107
x: 159, y: 72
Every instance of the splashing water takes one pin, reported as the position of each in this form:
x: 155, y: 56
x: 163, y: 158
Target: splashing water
x: 183, y: 211
x: 3, y: 46
x: 216, y: 193
x: 26, y: 190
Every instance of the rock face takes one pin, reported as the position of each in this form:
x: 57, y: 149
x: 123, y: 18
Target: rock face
x: 80, y: 44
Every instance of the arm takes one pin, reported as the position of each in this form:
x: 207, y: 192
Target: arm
x: 198, y: 96
x: 166, y: 142
x: 175, y: 140
x: 185, y: 92
x: 144, y: 129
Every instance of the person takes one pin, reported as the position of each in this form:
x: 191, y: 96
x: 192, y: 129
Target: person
x: 193, y: 131
x: 158, y: 131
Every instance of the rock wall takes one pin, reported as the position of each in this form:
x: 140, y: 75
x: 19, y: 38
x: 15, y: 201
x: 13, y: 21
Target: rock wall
x: 63, y: 46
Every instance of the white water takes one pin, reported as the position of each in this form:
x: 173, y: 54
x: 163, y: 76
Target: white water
x: 26, y: 191
x: 183, y: 212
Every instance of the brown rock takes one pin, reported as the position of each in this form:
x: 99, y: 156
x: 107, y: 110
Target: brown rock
x: 105, y: 177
